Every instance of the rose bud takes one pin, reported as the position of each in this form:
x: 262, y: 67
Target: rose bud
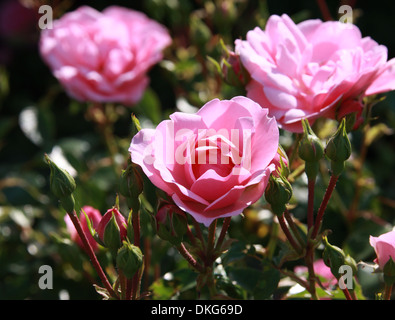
x: 310, y: 150
x: 278, y: 193
x: 129, y: 259
x: 338, y: 149
x: 334, y: 257
x: 131, y: 185
x: 233, y: 71
x: 62, y: 185
x: 170, y: 223
x: 112, y: 230
x: 94, y: 216
x: 281, y: 162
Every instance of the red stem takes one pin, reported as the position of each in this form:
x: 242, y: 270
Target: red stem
x: 347, y: 294
x: 310, y: 204
x: 288, y: 233
x: 184, y: 252
x: 222, y: 235
x: 91, y: 254
x: 136, y: 229
x: 324, y: 204
x: 324, y: 10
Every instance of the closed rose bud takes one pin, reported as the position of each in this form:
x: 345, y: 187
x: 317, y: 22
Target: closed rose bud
x: 129, y: 259
x: 310, y: 147
x: 131, y: 185
x: 278, y: 193
x: 233, y: 71
x: 170, y: 223
x: 62, y: 185
x: 281, y: 162
x: 112, y: 230
x: 310, y: 150
x: 338, y: 149
x: 333, y: 257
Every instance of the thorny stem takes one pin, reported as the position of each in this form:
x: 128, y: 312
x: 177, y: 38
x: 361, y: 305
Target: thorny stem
x: 91, y: 254
x: 185, y: 253
x: 221, y: 237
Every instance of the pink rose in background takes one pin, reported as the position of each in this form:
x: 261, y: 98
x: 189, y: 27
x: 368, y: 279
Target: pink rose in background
x: 313, y: 69
x: 320, y: 269
x: 384, y: 246
x: 213, y: 163
x: 104, y: 56
x: 95, y: 217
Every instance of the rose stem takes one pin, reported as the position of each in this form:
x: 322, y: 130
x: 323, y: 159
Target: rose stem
x: 293, y: 226
x: 210, y: 242
x: 198, y: 232
x: 91, y: 254
x: 347, y: 294
x: 324, y: 203
x: 324, y: 10
x: 185, y: 253
x: 310, y: 203
x: 136, y: 228
x: 387, y: 292
x: 288, y: 234
x: 221, y: 237
x: 147, y: 261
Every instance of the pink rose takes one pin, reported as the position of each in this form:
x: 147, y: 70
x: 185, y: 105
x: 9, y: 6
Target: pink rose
x: 384, y: 246
x: 320, y: 269
x: 95, y: 217
x: 104, y: 56
x: 213, y: 163
x: 313, y: 69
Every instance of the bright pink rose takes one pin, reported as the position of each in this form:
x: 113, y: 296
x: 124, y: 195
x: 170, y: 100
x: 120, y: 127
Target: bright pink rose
x: 104, y: 56
x: 213, y: 163
x: 313, y: 69
x: 94, y: 216
x: 384, y: 246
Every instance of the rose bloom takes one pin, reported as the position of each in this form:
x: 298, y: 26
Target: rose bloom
x: 104, y: 56
x: 213, y: 163
x: 384, y: 246
x: 95, y: 216
x: 313, y: 69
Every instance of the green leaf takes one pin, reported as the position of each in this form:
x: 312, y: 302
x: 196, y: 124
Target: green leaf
x: 260, y: 283
x: 150, y: 106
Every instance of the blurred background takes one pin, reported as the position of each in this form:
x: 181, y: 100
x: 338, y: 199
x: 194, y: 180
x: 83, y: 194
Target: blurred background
x: 37, y: 117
